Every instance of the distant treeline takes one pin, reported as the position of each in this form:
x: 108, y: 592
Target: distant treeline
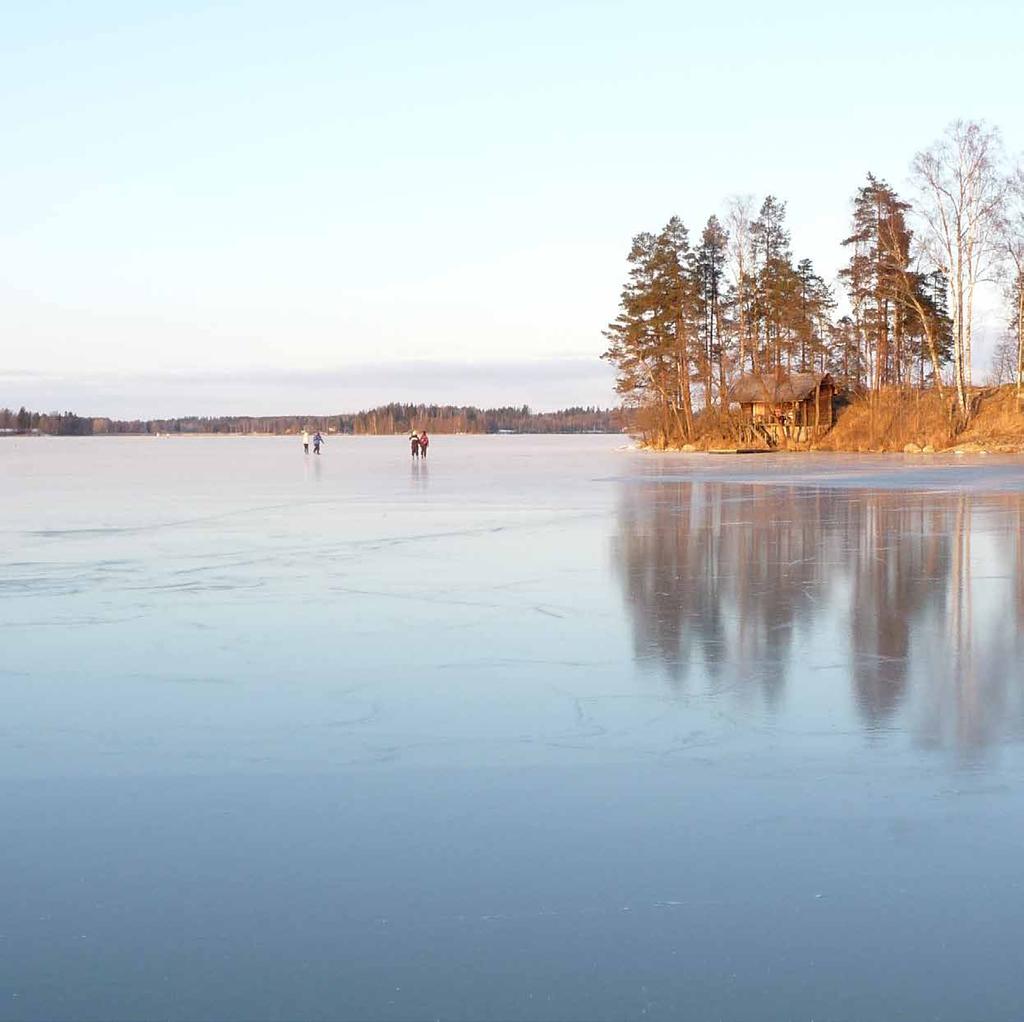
x: 385, y: 420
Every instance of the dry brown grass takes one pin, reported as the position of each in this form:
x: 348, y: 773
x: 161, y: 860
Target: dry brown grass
x: 893, y: 419
x: 723, y: 430
x: 887, y: 421
x: 711, y: 429
x: 996, y: 425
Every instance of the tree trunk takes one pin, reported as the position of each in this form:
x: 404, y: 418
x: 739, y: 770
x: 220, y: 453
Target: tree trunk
x: 959, y: 376
x: 1020, y: 339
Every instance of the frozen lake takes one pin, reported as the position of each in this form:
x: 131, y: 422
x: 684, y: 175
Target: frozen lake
x: 540, y: 729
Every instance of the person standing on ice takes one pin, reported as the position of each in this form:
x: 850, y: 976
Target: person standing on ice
x: 317, y: 441
x: 424, y: 444
x: 414, y: 444
x: 305, y: 440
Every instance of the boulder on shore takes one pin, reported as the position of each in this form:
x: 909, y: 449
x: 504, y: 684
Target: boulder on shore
x: 912, y: 449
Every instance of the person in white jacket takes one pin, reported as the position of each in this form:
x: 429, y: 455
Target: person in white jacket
x: 305, y: 441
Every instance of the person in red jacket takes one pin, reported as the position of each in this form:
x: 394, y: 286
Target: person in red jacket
x: 424, y: 443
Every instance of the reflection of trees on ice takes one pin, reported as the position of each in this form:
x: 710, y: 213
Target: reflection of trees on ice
x: 898, y: 561
x: 976, y: 694
x: 924, y: 590
x: 706, y: 579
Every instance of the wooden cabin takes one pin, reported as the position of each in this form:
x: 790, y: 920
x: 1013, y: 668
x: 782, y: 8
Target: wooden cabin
x: 794, y: 406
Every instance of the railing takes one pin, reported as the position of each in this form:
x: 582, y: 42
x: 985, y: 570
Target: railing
x: 773, y: 433
x: 757, y: 432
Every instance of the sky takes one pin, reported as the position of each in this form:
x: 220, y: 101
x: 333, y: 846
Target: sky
x: 316, y: 206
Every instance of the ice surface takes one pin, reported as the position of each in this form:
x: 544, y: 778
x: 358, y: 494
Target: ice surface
x: 541, y: 728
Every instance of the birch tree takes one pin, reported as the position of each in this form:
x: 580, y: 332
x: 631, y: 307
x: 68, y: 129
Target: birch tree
x: 1014, y: 246
x: 738, y: 218
x: 962, y: 191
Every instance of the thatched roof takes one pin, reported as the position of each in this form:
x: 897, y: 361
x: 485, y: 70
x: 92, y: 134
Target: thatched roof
x: 776, y: 390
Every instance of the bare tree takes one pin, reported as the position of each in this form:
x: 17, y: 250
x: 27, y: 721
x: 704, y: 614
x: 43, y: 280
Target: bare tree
x: 962, y: 192
x: 1004, y: 361
x: 738, y: 218
x: 1014, y: 244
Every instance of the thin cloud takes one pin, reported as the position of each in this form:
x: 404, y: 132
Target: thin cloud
x: 544, y: 384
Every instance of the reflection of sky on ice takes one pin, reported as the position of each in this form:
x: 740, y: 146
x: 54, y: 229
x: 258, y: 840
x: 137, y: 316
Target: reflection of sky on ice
x: 533, y: 703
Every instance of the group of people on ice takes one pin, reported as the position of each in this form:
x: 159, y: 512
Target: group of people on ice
x: 419, y: 442
x: 317, y: 441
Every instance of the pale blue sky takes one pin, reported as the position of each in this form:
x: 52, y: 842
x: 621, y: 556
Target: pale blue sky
x: 260, y: 187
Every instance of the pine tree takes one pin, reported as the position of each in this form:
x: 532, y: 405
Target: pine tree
x: 776, y: 284
x: 843, y: 358
x: 894, y: 308
x: 652, y: 341
x: 813, y: 317
x: 709, y: 268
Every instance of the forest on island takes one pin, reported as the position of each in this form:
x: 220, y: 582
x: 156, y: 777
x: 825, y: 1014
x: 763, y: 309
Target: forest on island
x: 385, y: 420
x: 699, y: 311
